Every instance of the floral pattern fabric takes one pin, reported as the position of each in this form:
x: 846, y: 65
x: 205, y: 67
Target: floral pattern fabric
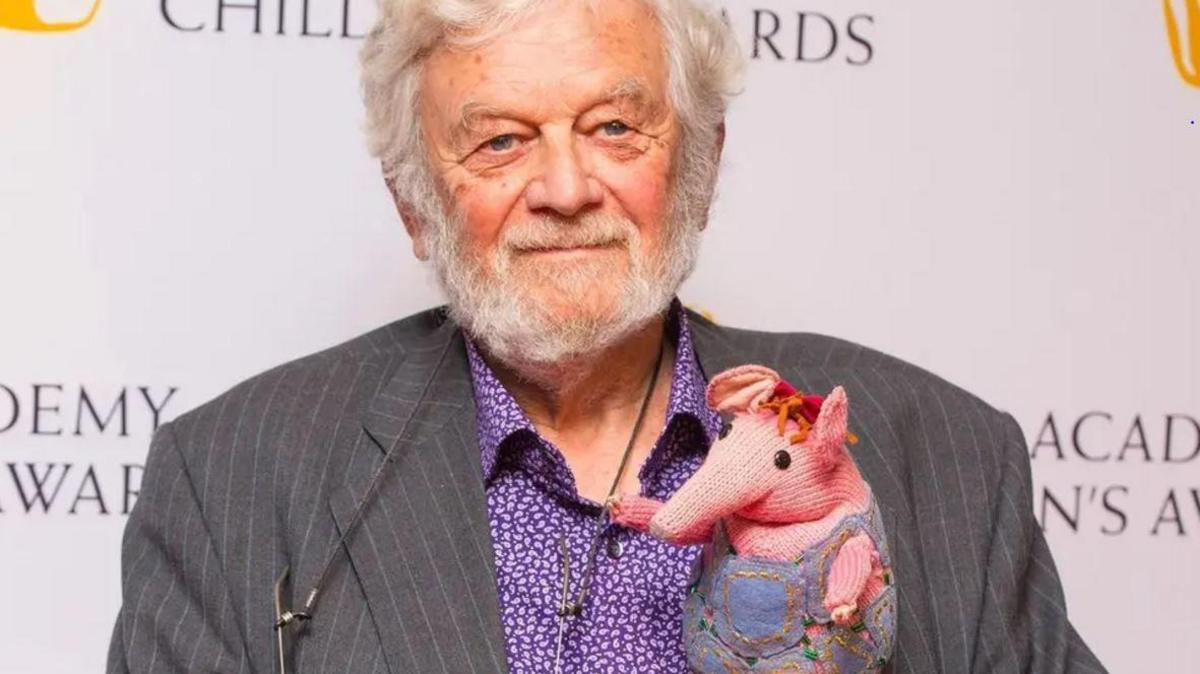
x: 632, y: 616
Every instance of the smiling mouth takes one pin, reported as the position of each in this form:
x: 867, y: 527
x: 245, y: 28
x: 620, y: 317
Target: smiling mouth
x: 569, y: 250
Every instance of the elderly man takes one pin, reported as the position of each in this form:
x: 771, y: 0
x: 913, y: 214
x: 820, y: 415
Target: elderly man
x: 435, y: 488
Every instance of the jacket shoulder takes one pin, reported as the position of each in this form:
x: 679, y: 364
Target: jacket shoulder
x: 829, y: 360
x: 375, y: 353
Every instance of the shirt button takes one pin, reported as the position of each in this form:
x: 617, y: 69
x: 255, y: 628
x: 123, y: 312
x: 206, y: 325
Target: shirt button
x: 614, y: 548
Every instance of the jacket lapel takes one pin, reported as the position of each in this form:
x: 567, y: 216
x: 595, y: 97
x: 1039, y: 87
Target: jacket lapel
x: 423, y: 551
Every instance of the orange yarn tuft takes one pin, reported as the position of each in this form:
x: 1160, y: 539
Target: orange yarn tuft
x: 790, y: 408
x: 800, y: 437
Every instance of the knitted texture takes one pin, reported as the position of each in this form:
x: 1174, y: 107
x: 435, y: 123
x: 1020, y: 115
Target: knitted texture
x: 778, y: 482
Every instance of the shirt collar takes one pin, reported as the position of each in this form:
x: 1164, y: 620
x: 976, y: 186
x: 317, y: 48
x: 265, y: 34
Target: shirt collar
x: 498, y: 416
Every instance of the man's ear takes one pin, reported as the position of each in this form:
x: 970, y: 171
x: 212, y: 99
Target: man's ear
x: 720, y: 140
x: 720, y: 146
x: 412, y: 223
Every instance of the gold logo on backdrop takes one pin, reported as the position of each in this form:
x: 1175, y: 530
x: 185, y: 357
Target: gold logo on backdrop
x: 22, y: 15
x: 1179, y: 51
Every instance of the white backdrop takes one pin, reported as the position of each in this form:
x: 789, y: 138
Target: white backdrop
x: 1005, y: 193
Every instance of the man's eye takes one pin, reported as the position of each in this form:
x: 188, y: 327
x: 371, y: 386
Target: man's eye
x: 502, y: 143
x: 615, y: 128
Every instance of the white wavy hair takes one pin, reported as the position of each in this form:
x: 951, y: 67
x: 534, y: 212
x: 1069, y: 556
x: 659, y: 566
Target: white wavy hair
x: 704, y: 71
x: 485, y: 295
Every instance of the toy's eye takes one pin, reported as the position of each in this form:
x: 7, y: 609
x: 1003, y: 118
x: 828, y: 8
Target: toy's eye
x: 726, y: 426
x: 782, y: 459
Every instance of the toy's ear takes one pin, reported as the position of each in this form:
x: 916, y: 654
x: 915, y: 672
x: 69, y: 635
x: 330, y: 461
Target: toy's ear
x: 741, y: 389
x: 829, y: 431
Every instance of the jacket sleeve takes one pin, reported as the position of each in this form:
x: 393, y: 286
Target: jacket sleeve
x: 1023, y: 625
x: 175, y: 614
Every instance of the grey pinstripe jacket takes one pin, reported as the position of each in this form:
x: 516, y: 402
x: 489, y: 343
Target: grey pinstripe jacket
x: 268, y: 474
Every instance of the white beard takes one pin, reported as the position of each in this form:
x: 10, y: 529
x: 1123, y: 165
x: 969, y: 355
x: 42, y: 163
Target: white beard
x: 492, y: 297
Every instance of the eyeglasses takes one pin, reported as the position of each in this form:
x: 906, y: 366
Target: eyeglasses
x: 574, y: 608
x: 284, y: 618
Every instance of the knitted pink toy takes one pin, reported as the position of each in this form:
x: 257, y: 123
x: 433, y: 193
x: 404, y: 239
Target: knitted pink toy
x: 806, y: 578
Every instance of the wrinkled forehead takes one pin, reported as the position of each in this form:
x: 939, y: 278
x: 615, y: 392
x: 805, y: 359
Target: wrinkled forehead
x: 560, y: 60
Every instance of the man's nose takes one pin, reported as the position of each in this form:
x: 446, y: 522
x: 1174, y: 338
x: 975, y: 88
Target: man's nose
x: 565, y: 184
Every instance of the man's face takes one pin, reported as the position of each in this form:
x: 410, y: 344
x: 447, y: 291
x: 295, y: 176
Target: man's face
x: 553, y: 145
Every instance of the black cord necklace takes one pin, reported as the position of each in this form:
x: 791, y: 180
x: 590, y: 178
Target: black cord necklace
x: 567, y: 608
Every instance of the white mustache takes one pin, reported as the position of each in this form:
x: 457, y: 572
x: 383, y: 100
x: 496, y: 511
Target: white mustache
x: 549, y: 233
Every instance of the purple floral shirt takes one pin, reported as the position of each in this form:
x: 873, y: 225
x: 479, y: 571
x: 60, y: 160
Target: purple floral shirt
x: 631, y: 620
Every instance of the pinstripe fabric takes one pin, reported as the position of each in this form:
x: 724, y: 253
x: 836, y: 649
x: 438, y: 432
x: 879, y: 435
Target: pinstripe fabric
x: 269, y: 473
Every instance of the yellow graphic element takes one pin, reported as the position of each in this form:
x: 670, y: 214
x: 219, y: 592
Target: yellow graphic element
x: 1192, y: 75
x: 703, y: 312
x: 22, y: 15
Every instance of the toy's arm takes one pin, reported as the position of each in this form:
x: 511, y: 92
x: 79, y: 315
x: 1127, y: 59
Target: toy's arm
x: 848, y: 576
x: 699, y: 530
x: 634, y: 511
